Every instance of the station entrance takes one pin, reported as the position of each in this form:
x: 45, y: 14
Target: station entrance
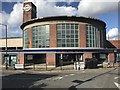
x: 34, y: 59
x: 101, y: 57
x: 10, y: 59
x: 68, y: 58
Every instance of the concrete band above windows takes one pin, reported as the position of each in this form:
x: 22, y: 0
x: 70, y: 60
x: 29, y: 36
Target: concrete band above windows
x: 49, y: 23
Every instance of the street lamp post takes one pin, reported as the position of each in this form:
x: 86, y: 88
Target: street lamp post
x: 6, y: 46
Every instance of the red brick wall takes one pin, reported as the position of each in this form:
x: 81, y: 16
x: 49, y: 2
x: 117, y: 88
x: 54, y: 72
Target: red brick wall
x: 27, y: 15
x: 30, y: 38
x: 51, y: 59
x: 87, y: 55
x: 21, y: 58
x: 82, y: 35
x: 53, y: 37
x: 116, y: 43
x: 111, y: 57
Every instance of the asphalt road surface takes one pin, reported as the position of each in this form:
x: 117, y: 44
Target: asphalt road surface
x: 89, y: 78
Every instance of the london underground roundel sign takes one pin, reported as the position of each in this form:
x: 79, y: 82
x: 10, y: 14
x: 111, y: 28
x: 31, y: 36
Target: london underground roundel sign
x: 27, y: 7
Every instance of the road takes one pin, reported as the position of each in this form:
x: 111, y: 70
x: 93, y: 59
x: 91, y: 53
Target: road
x: 89, y: 78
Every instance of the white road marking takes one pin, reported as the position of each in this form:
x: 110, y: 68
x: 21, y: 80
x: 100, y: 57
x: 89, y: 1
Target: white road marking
x: 66, y: 75
x: 60, y: 77
x: 117, y: 84
x: 23, y: 71
x: 116, y: 77
x: 57, y: 78
x: 48, y: 78
x: 72, y: 74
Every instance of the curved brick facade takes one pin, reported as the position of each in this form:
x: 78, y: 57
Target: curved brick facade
x: 53, y: 31
x: 91, y: 35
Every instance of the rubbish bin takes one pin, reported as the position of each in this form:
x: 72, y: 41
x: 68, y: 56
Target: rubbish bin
x: 94, y: 63
x: 90, y: 63
x: 87, y: 63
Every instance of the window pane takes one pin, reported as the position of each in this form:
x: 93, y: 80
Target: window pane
x: 67, y: 33
x: 26, y: 38
x: 40, y: 36
x: 91, y: 36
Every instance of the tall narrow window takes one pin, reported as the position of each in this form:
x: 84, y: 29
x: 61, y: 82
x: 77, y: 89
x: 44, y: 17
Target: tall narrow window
x: 25, y: 33
x: 91, y: 36
x: 40, y: 36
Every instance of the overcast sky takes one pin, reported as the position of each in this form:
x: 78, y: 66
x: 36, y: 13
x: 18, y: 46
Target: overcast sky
x: 106, y: 10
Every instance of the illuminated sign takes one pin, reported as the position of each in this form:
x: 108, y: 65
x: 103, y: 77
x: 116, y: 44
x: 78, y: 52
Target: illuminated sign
x: 27, y: 7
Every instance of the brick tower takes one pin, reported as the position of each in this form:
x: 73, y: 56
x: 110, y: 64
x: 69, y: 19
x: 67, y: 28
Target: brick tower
x: 29, y: 11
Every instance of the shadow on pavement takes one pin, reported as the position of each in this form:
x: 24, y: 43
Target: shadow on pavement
x: 79, y: 82
x: 24, y: 80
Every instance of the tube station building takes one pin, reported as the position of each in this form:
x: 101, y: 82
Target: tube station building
x: 57, y: 39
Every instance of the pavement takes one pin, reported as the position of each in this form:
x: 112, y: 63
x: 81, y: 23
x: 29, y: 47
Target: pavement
x: 88, y: 78
x: 61, y: 77
x: 43, y: 69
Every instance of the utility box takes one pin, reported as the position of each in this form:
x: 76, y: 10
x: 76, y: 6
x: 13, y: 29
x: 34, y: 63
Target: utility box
x: 76, y: 65
x: 82, y: 65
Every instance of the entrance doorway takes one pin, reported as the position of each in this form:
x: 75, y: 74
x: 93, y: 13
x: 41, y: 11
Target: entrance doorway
x: 67, y: 59
x: 100, y: 57
x: 11, y: 59
x: 34, y: 59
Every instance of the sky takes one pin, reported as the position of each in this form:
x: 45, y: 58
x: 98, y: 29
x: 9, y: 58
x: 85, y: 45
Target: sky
x: 11, y: 13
